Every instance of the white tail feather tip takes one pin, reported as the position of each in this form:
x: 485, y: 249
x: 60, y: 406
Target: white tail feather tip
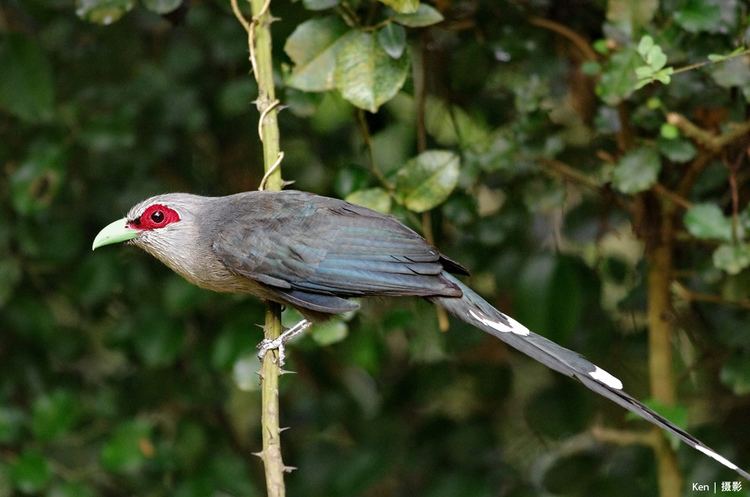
x: 713, y: 455
x: 602, y: 376
x: 515, y: 326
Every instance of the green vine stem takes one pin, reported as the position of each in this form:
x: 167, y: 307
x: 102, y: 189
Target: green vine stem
x: 258, y: 30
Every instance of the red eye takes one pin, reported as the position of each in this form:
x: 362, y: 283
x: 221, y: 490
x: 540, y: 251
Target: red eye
x: 157, y: 217
x: 154, y: 217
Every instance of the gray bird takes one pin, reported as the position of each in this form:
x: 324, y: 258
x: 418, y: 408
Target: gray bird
x: 314, y: 253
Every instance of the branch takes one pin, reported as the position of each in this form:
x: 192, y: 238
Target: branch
x: 420, y: 95
x: 673, y: 197
x: 566, y: 172
x: 703, y: 63
x: 261, y: 59
x: 692, y: 296
x: 659, y: 254
x: 625, y: 135
x: 579, y: 41
x: 273, y: 461
x: 367, y: 138
x: 622, y: 437
x: 694, y: 170
x: 711, y: 141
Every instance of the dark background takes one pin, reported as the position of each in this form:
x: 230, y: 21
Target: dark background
x: 119, y: 378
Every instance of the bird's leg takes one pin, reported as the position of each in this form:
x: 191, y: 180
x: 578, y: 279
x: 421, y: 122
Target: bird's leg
x: 278, y: 343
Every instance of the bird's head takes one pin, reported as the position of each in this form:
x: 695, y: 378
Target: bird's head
x: 158, y: 224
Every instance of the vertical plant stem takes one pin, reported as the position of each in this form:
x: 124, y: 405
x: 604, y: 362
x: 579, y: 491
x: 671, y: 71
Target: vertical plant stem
x: 273, y: 461
x: 420, y: 95
x: 266, y: 102
x: 367, y: 138
x: 659, y: 253
x: 261, y: 59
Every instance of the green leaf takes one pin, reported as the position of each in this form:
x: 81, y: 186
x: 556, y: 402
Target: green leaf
x: 637, y: 170
x: 735, y: 373
x: 11, y: 424
x: 631, y: 14
x: 161, y: 6
x: 669, y: 131
x: 619, y: 79
x: 376, y: 199
x: 656, y: 58
x: 103, y: 11
x: 714, y: 57
x: 678, y: 150
x: 601, y: 46
x: 735, y: 72
x: 26, y: 85
x: 732, y: 258
x: 549, y: 295
x: 319, y: 4
x: 30, y: 472
x: 393, y: 39
x: 706, y: 221
x: 366, y: 75
x: 427, y: 180
x: 451, y: 125
x: 645, y: 45
x: 127, y: 448
x: 312, y: 47
x: 425, y: 15
x: 402, y: 6
x: 591, y: 68
x: 644, y: 72
x: 71, y: 489
x: 53, y: 414
x: 664, y: 76
x: 699, y: 15
x: 329, y: 332
x: 654, y: 103
x: 34, y: 185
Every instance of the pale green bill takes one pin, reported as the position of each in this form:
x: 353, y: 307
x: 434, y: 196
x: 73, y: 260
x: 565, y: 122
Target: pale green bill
x: 115, y: 232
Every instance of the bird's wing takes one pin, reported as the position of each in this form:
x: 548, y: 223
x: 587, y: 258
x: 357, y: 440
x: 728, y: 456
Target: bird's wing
x: 305, y: 244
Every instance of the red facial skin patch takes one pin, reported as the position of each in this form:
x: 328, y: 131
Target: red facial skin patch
x: 154, y: 217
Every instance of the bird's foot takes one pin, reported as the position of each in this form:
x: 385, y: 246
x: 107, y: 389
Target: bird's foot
x: 266, y: 345
x: 279, y: 342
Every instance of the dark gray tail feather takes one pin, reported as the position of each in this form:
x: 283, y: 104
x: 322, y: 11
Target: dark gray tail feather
x: 476, y: 311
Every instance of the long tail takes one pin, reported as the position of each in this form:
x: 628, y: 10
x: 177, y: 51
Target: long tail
x: 476, y: 311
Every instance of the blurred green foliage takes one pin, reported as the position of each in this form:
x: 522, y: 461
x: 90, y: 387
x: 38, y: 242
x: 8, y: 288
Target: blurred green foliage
x: 118, y: 378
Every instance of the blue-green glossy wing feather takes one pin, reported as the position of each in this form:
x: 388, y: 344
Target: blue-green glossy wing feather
x: 299, y: 242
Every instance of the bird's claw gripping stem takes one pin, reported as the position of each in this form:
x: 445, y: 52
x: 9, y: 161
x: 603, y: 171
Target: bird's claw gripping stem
x: 279, y: 342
